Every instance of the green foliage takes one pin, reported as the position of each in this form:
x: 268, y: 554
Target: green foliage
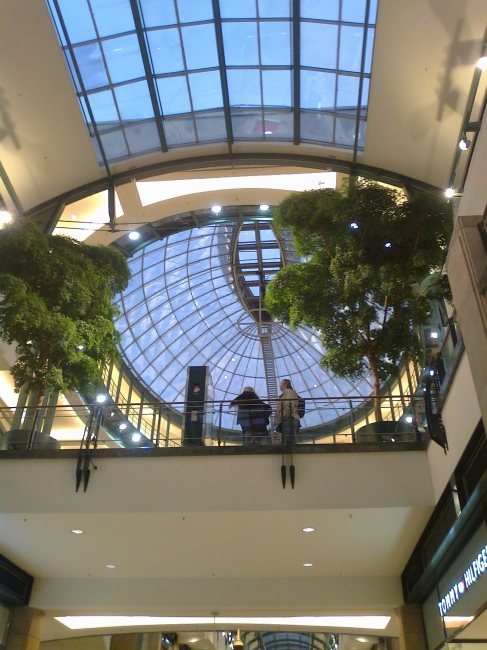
x: 356, y: 285
x: 56, y: 294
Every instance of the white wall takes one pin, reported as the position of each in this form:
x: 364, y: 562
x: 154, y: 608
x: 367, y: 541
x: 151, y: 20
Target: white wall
x: 460, y: 415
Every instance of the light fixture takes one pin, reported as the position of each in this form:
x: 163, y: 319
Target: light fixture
x: 409, y: 419
x: 388, y: 244
x: 464, y: 144
x: 74, y: 217
x: 28, y: 343
x: 308, y: 529
x: 354, y: 225
x: 110, y: 566
x: 393, y: 440
x: 307, y: 564
x: 101, y: 398
x: 5, y: 217
x: 268, y: 132
x: 432, y: 373
x: 80, y: 347
x: 136, y: 437
x: 134, y: 235
x: 450, y: 192
x: 216, y: 209
x: 482, y: 63
x: 122, y: 426
x: 77, y: 531
x: 263, y: 207
x: 434, y: 335
x: 112, y: 413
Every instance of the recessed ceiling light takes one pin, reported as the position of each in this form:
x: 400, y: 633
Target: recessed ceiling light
x: 307, y: 564
x: 110, y: 566
x: 74, y: 217
x: 136, y: 437
x: 77, y: 531
x: 434, y: 335
x: 122, y: 426
x: 101, y: 398
x: 263, y: 207
x: 409, y: 419
x: 308, y: 529
x: 216, y: 208
x: 134, y: 235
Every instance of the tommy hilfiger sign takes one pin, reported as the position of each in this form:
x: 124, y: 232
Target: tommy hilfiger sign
x: 476, y: 569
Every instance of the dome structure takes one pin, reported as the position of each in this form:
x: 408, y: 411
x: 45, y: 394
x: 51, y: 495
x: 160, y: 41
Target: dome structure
x: 195, y: 298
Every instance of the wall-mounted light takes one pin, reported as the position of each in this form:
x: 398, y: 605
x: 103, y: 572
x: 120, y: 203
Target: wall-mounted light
x: 464, y: 144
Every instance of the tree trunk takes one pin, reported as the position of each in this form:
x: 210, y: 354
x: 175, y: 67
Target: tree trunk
x: 377, y: 400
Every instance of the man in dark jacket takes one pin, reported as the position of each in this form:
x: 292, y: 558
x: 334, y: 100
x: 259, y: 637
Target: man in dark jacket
x: 252, y: 415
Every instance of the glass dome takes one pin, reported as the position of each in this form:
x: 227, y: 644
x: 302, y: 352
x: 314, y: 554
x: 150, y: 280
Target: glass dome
x: 194, y: 299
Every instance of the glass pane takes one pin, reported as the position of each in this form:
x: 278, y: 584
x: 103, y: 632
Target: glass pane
x: 158, y: 12
x: 373, y: 12
x: 192, y: 11
x: 275, y: 43
x: 351, y: 42
x: 200, y: 46
x: 114, y: 145
x: 317, y: 127
x: 319, y: 9
x: 345, y: 132
x: 112, y: 16
x: 77, y: 18
x: 104, y: 109
x: 123, y: 58
x: 91, y: 66
x: 353, y: 11
x: 313, y: 54
x: 369, y: 49
x: 206, y: 90
x: 173, y: 94
x: 179, y: 131
x: 165, y: 49
x: 317, y: 90
x: 244, y: 87
x: 211, y: 126
x: 240, y: 43
x: 240, y: 9
x: 134, y: 102
x: 276, y: 85
x: 347, y: 93
x: 274, y: 8
x: 142, y: 137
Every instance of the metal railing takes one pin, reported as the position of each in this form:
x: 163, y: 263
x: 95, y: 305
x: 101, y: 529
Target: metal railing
x: 162, y: 425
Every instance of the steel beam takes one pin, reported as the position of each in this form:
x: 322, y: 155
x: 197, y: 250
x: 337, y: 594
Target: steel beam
x: 361, y: 82
x: 223, y: 73
x: 148, y: 73
x: 297, y: 70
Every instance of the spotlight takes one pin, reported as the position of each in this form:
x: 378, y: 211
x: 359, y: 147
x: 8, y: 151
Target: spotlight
x: 263, y: 207
x: 134, y: 235
x: 136, y: 437
x: 101, y: 398
x: 122, y: 426
x: 464, y: 144
x: 5, y: 217
x: 409, y: 419
x: 450, y: 192
x: 482, y: 63
x: 354, y: 225
x: 216, y: 209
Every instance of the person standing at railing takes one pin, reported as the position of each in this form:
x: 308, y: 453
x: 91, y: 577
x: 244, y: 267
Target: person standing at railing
x: 287, y: 412
x: 252, y: 415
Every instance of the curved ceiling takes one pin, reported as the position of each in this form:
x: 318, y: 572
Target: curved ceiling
x: 424, y: 57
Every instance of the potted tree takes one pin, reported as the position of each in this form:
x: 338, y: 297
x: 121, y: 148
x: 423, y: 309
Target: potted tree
x: 56, y: 306
x: 366, y: 248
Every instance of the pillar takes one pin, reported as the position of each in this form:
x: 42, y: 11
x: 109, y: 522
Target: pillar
x: 411, y: 628
x: 25, y: 629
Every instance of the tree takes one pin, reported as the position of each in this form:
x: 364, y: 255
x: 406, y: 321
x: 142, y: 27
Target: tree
x: 366, y: 249
x: 56, y: 304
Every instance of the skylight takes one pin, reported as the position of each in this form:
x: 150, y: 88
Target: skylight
x: 157, y: 75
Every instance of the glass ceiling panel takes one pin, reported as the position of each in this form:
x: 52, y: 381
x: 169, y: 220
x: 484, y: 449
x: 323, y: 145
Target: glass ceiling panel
x: 176, y: 42
x: 168, y: 325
